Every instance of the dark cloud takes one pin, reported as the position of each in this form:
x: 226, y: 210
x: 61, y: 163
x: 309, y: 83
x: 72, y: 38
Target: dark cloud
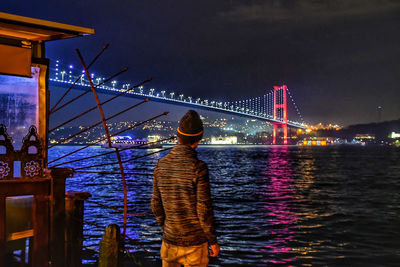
x: 307, y: 11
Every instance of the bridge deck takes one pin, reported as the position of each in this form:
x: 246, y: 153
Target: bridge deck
x: 166, y: 100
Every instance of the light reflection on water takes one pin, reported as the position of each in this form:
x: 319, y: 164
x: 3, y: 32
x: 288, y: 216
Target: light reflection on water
x: 273, y: 205
x: 278, y: 175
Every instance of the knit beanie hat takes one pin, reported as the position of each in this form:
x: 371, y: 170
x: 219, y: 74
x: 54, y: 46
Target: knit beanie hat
x: 190, y: 129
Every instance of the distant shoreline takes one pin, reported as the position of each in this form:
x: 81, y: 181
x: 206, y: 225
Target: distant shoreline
x: 85, y: 144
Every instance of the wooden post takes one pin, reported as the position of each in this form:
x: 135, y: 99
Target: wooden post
x: 74, y: 209
x: 2, y: 229
x: 41, y: 229
x: 111, y: 247
x: 57, y: 236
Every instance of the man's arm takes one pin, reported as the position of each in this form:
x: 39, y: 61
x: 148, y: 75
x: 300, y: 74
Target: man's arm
x: 204, y: 203
x: 156, y: 202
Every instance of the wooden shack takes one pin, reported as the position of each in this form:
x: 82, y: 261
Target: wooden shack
x: 32, y: 197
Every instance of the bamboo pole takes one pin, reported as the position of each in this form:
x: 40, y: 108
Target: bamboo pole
x: 80, y: 76
x: 102, y: 139
x: 98, y: 123
x: 107, y: 172
x: 93, y: 108
x: 107, y: 153
x: 104, y: 120
x: 125, y: 161
x: 88, y: 91
x: 116, y: 209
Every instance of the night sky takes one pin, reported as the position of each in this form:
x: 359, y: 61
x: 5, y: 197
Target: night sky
x: 339, y: 58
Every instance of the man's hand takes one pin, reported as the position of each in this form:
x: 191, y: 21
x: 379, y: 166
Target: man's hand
x: 214, y: 250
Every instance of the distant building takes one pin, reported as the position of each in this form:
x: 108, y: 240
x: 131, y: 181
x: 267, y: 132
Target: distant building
x: 223, y: 140
x: 394, y: 135
x: 361, y: 137
x: 321, y: 126
x: 153, y: 138
x: 396, y: 139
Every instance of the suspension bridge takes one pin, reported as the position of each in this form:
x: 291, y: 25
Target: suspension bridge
x: 271, y: 107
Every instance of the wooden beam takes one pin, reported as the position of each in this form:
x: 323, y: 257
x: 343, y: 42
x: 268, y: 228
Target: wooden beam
x: 20, y: 235
x: 74, y: 209
x: 21, y: 187
x: 41, y: 227
x: 2, y: 229
x: 57, y: 236
x: 44, y: 28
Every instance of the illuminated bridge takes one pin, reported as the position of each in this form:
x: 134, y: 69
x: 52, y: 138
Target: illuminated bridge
x: 271, y: 107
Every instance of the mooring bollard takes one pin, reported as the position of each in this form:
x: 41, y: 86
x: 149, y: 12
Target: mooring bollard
x: 111, y: 247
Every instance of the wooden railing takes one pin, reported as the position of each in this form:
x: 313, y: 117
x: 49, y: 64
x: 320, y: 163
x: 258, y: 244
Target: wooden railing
x: 43, y: 219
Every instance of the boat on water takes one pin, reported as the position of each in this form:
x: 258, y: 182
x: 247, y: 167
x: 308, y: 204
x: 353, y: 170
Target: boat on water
x: 316, y: 141
x: 133, y: 143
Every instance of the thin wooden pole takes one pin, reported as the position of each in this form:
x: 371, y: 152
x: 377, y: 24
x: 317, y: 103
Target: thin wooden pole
x: 107, y: 153
x: 98, y: 123
x: 125, y: 161
x: 105, y: 172
x: 116, y: 209
x: 121, y: 168
x: 80, y: 76
x: 102, y: 139
x: 93, y: 108
x: 84, y: 93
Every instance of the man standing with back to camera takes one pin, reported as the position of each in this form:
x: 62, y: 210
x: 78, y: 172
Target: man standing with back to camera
x: 182, y: 200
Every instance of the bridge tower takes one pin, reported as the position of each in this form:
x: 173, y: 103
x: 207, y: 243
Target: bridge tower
x: 280, y: 112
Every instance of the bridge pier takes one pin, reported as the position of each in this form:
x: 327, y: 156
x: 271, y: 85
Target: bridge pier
x: 284, y: 127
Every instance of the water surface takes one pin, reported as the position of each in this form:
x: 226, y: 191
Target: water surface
x: 274, y: 205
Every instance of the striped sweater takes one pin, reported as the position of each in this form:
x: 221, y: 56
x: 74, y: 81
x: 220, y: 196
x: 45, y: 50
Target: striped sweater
x: 181, y: 198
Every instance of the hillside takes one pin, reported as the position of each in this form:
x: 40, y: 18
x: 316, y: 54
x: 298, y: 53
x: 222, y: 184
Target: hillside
x: 381, y: 130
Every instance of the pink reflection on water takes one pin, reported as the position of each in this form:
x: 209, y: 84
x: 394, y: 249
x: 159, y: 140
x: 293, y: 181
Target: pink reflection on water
x: 278, y: 199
